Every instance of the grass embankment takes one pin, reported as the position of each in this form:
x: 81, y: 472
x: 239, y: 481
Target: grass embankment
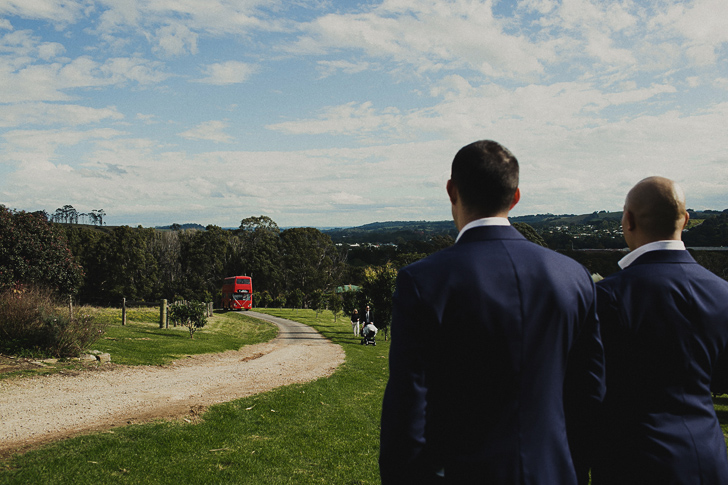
x: 326, y: 431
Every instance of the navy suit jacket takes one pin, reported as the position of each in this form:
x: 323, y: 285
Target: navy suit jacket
x: 491, y: 338
x: 364, y: 318
x: 664, y: 322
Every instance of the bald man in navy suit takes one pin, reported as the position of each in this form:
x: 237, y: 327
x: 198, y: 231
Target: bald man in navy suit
x: 664, y: 322
x: 495, y: 342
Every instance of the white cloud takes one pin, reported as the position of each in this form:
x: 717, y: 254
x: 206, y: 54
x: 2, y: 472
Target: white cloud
x: 329, y: 68
x: 637, y: 95
x: 174, y: 28
x: 348, y: 119
x: 147, y: 119
x: 431, y: 36
x: 52, y: 81
x: 721, y: 82
x: 50, y: 114
x: 209, y: 130
x: 21, y: 47
x: 700, y: 23
x: 49, y: 10
x: 46, y: 141
x: 175, y: 40
x: 347, y: 198
x: 120, y: 70
x: 230, y: 72
x: 465, y: 108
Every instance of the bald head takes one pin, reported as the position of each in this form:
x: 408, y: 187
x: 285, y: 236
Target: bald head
x: 654, y: 211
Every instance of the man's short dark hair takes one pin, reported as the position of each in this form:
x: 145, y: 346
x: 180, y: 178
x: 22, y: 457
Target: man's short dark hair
x: 486, y: 176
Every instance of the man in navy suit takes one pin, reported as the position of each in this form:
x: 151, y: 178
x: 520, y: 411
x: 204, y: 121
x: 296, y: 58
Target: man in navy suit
x: 664, y: 322
x: 367, y: 316
x: 493, y: 340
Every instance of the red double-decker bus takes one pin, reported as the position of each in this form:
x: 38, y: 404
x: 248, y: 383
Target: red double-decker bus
x: 237, y: 293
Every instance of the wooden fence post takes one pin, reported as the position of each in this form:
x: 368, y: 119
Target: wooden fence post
x: 123, y: 312
x: 209, y: 309
x: 162, y: 313
x: 70, y: 307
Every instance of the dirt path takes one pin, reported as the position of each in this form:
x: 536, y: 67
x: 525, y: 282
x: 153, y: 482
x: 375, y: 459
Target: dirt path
x: 41, y: 409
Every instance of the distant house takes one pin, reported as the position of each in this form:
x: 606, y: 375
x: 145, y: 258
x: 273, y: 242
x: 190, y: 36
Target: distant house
x: 342, y: 289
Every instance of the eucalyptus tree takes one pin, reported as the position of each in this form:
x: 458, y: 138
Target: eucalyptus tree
x: 166, y: 249
x: 128, y: 268
x: 204, y: 255
x: 259, y: 238
x: 310, y: 260
x: 99, y: 213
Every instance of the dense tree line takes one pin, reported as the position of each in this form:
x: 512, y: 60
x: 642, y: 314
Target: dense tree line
x: 148, y: 264
x: 712, y: 232
x: 294, y: 267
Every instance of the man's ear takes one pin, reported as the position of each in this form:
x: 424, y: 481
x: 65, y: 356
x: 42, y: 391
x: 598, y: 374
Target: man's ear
x: 630, y: 220
x: 452, y: 192
x: 685, y: 223
x: 516, y: 198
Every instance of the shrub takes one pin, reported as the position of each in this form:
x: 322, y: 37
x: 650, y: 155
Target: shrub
x: 67, y: 336
x: 32, y: 321
x: 34, y: 251
x: 191, y: 314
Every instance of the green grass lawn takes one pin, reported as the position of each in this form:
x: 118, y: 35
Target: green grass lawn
x: 142, y: 342
x: 326, y: 431
x: 721, y: 409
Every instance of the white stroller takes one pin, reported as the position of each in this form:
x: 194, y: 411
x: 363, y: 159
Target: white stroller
x: 369, y: 333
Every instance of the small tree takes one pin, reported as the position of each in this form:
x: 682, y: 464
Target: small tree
x: 335, y: 304
x: 378, y: 287
x: 191, y: 314
x: 295, y: 299
x: 317, y: 301
x: 279, y: 301
x: 350, y: 301
x: 263, y: 299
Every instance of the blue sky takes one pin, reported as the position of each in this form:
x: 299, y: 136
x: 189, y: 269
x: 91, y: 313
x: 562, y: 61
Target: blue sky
x: 341, y: 113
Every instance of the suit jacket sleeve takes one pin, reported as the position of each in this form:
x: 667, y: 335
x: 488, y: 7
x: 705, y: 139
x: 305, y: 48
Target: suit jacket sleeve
x: 403, y: 439
x: 584, y: 390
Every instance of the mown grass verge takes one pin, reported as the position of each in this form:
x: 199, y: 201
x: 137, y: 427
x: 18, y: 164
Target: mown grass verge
x: 142, y: 342
x: 326, y: 431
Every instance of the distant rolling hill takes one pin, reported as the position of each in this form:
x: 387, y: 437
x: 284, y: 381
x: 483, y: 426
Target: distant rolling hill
x: 393, y: 231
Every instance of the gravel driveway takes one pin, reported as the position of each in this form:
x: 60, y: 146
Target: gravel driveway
x: 45, y: 408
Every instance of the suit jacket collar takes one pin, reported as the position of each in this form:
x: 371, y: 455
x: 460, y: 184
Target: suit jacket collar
x: 664, y: 256
x: 484, y: 233
x: 483, y: 221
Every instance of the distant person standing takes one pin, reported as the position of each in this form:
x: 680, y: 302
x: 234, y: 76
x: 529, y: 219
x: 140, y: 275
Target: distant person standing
x: 495, y: 345
x: 355, y: 322
x: 664, y: 322
x: 367, y: 316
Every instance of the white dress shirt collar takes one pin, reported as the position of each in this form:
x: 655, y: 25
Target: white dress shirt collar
x: 670, y: 244
x: 485, y: 221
